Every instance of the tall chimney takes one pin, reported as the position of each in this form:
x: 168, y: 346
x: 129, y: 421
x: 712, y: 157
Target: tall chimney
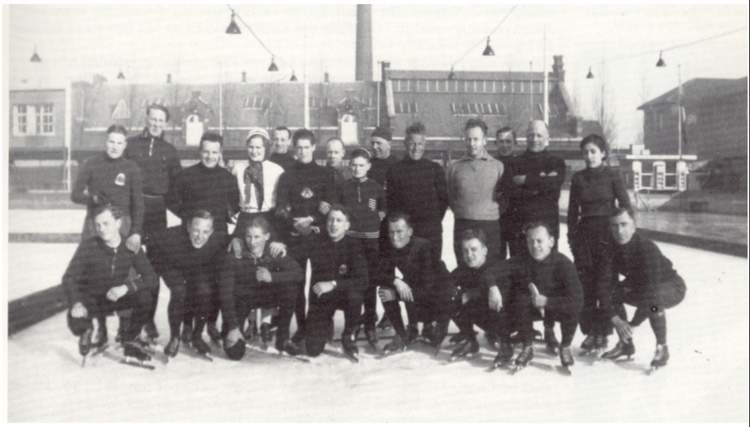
x: 557, y: 68
x: 363, y: 68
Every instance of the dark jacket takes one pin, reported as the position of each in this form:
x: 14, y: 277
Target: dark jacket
x: 417, y: 188
x: 341, y: 261
x: 212, y: 189
x: 363, y: 200
x: 157, y: 159
x: 237, y: 275
x: 538, y: 197
x: 415, y: 262
x: 96, y: 268
x: 593, y: 192
x: 301, y: 189
x: 177, y: 261
x: 379, y: 169
x: 503, y: 198
x: 469, y: 280
x: 286, y: 160
x: 115, y: 181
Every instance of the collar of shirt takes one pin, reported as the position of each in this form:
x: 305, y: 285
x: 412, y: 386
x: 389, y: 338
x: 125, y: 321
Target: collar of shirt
x: 147, y: 135
x: 486, y: 156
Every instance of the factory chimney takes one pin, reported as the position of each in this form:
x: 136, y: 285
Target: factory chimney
x: 363, y: 67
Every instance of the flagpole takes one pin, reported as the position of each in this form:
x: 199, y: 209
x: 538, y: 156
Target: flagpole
x: 679, y: 113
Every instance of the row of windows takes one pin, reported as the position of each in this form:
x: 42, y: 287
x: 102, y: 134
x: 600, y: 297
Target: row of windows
x: 475, y: 86
x: 470, y: 108
x: 33, y: 119
x: 258, y: 102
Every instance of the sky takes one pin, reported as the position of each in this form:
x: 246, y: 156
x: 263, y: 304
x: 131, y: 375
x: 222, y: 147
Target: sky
x: 189, y: 42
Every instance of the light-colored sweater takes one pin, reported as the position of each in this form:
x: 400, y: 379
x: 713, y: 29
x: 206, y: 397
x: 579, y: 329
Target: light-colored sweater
x: 473, y: 186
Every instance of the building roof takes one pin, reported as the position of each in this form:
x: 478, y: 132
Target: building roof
x: 468, y: 75
x: 695, y: 90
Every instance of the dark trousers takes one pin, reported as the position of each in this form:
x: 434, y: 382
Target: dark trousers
x: 491, y: 230
x: 527, y: 313
x: 190, y: 297
x: 506, y: 236
x: 99, y: 306
x: 371, y: 251
x: 432, y: 231
x: 435, y: 306
x: 303, y: 247
x: 477, y: 311
x: 266, y: 295
x: 320, y: 316
x: 671, y: 293
x: 154, y: 224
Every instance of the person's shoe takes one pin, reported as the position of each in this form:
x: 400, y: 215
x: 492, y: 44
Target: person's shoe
x: 173, y: 347
x: 384, y: 324
x: 601, y: 342
x: 251, y: 331
x: 213, y: 332
x: 84, y: 342
x: 527, y: 354
x: 151, y: 332
x: 551, y: 341
x: 290, y: 348
x: 349, y: 345
x: 661, y: 356
x: 492, y: 340
x: 187, y: 333
x: 622, y: 348
x: 135, y: 349
x: 589, y: 343
x: 100, y: 337
x: 566, y: 357
x: 468, y: 348
x: 197, y: 343
x: 265, y: 333
x: 371, y: 334
x: 396, y: 345
x: 439, y: 334
x: 504, y: 355
x: 461, y: 336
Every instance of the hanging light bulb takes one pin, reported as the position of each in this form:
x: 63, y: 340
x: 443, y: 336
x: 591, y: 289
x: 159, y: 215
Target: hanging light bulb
x: 590, y: 75
x: 120, y: 76
x: 294, y: 78
x: 35, y: 57
x: 452, y: 75
x: 273, y: 66
x: 661, y: 62
x: 488, y: 50
x: 233, y: 28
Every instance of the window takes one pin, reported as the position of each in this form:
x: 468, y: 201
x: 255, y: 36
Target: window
x: 473, y: 109
x: 406, y: 108
x: 256, y: 103
x: 316, y: 103
x: 31, y: 119
x: 21, y: 120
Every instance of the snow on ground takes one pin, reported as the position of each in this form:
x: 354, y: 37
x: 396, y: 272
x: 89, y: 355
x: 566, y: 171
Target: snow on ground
x: 34, y: 267
x: 706, y: 379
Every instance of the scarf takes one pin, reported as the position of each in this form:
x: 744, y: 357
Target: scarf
x: 254, y: 176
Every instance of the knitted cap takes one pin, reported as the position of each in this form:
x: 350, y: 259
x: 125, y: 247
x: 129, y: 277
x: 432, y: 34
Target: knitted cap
x: 237, y: 351
x: 382, y: 132
x: 257, y: 131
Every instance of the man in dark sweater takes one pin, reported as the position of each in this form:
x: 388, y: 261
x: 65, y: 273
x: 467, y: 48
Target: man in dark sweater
x: 505, y: 141
x: 257, y: 280
x: 338, y: 280
x: 188, y: 261
x: 282, y: 138
x: 651, y: 285
x: 303, y: 190
x: 421, y: 285
x: 95, y: 284
x: 537, y: 177
x: 160, y: 166
x: 417, y: 187
x: 542, y: 281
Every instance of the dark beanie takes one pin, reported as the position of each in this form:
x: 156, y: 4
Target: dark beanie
x: 382, y: 132
x: 237, y: 351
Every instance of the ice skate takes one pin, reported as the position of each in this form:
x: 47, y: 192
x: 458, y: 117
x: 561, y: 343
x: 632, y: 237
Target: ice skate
x: 468, y: 349
x: 661, y: 356
x: 349, y: 347
x: 187, y: 333
x: 504, y: 355
x: 265, y: 335
x: 200, y: 347
x: 151, y: 332
x: 588, y: 345
x: 372, y: 337
x: 412, y: 332
x: 84, y: 344
x: 523, y: 359
x: 460, y: 337
x: 550, y: 341
x: 622, y: 348
x: 566, y: 359
x: 213, y: 332
x: 135, y: 355
x: 172, y: 348
x: 395, y: 346
x: 601, y: 343
x: 251, y: 331
x: 292, y: 351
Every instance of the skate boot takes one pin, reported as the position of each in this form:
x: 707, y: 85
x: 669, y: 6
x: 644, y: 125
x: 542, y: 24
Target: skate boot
x: 84, y: 342
x: 623, y: 348
x: 396, y: 345
x: 468, y: 349
x: 173, y: 347
x: 461, y: 336
x: 601, y: 342
x: 523, y: 359
x: 551, y: 341
x: 135, y: 350
x: 492, y: 340
x: 349, y: 346
x: 151, y: 332
x: 372, y: 336
x: 504, y: 355
x: 438, y: 335
x: 661, y: 356
x: 187, y: 333
x: 384, y: 324
x: 213, y: 332
x: 100, y: 337
x: 251, y: 331
x: 589, y: 343
x: 566, y: 357
x: 265, y: 334
x: 197, y: 343
x: 289, y: 347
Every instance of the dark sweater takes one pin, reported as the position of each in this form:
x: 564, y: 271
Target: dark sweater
x: 301, y: 189
x: 503, y: 198
x: 212, y: 189
x: 363, y: 200
x: 379, y: 169
x: 538, y: 197
x: 238, y: 275
x: 115, y: 181
x: 415, y: 262
x: 555, y: 277
x: 593, y: 192
x: 645, y: 269
x: 285, y: 160
x: 157, y: 159
x: 417, y: 188
x: 341, y: 261
x: 470, y: 280
x: 176, y: 258
x: 96, y: 268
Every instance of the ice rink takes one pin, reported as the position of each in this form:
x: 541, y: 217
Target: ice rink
x: 706, y: 379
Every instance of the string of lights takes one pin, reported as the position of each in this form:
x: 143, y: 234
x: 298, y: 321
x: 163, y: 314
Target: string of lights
x: 234, y: 29
x: 487, y: 50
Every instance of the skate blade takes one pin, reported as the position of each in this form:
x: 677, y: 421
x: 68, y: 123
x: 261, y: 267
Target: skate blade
x: 652, y: 370
x: 352, y: 358
x: 83, y: 362
x: 137, y: 364
x: 565, y: 370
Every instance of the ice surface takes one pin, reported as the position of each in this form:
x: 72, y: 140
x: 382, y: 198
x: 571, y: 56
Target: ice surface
x: 706, y: 379
x: 34, y: 267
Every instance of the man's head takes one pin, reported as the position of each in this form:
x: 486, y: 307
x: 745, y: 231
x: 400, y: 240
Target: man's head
x: 157, y: 118
x: 201, y: 227
x: 399, y: 229
x: 211, y: 144
x: 116, y: 141
x: 335, y: 152
x: 282, y: 137
x: 258, y: 144
x: 257, y: 233
x: 337, y: 222
x: 414, y: 141
x: 537, y: 136
x: 381, y: 142
x: 622, y: 224
x: 108, y: 221
x: 304, y: 145
x: 539, y: 240
x: 360, y: 163
x: 476, y: 138
x: 505, y: 140
x: 594, y: 150
x: 474, y: 247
